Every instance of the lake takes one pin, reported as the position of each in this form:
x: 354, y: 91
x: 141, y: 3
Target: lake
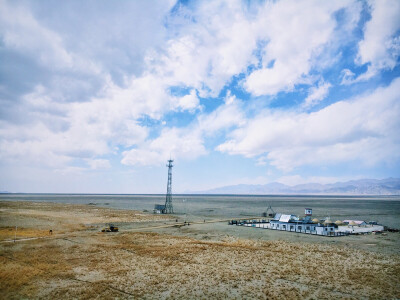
x: 383, y: 209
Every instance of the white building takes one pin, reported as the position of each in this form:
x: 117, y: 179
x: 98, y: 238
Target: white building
x: 294, y: 224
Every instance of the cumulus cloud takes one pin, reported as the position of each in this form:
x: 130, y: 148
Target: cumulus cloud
x: 57, y: 133
x: 174, y: 142
x: 81, y: 82
x: 205, y: 54
x: 92, y: 105
x: 187, y: 142
x: 226, y: 116
x: 380, y: 47
x: 296, y: 32
x: 70, y: 91
x: 188, y: 102
x: 363, y: 129
x: 317, y: 94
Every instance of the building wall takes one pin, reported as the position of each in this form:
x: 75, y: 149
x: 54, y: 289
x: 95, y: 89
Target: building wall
x: 361, y: 229
x: 303, y: 228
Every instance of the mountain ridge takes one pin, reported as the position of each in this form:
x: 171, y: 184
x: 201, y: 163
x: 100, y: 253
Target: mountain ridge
x: 387, y: 186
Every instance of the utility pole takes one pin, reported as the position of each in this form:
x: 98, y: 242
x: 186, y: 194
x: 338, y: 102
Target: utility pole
x: 185, y: 201
x: 168, y: 200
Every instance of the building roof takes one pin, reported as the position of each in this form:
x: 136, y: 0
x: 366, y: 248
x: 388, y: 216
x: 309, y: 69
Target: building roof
x: 159, y: 206
x: 277, y: 217
x: 285, y: 218
x: 356, y: 222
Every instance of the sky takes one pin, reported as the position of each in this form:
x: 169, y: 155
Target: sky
x: 96, y: 96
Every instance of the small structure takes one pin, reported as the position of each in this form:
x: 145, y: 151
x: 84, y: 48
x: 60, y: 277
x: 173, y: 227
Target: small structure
x: 269, y: 214
x: 159, y: 209
x: 306, y: 225
x: 360, y: 227
x: 308, y: 212
x: 354, y: 222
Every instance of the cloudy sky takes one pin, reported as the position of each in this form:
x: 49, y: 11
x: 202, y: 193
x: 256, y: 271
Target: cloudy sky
x: 95, y: 96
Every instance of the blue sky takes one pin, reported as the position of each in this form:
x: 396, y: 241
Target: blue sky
x: 97, y: 95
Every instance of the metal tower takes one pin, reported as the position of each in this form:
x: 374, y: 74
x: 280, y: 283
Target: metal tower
x: 168, y: 200
x: 266, y: 214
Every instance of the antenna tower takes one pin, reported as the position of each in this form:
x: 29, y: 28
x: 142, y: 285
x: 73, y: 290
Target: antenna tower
x: 168, y: 200
x: 266, y: 214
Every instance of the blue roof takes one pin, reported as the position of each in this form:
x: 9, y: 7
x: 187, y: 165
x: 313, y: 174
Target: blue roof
x: 159, y: 206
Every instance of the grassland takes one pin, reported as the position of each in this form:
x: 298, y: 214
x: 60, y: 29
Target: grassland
x: 78, y: 261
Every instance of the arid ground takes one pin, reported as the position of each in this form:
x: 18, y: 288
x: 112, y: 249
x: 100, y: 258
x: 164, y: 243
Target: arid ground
x: 152, y: 257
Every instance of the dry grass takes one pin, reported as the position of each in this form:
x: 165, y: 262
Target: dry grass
x: 9, y: 233
x: 23, y: 266
x: 152, y: 266
x: 74, y: 214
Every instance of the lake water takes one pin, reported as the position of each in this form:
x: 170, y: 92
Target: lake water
x: 384, y: 209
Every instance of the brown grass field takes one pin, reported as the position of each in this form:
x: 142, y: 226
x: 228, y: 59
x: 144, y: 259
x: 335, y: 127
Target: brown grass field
x: 78, y: 261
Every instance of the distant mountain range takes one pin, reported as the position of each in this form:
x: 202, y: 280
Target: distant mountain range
x: 389, y: 186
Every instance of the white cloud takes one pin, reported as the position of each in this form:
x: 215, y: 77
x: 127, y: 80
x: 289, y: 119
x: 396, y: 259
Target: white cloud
x: 98, y: 73
x: 187, y: 142
x: 97, y: 164
x: 205, y: 54
x: 68, y: 116
x: 347, y: 77
x: 381, y: 44
x: 143, y: 157
x: 174, y: 142
x: 188, y: 102
x: 296, y: 32
x: 201, y: 56
x: 317, y: 94
x: 364, y: 129
x: 113, y: 34
x: 60, y: 132
x: 224, y: 117
x: 22, y: 32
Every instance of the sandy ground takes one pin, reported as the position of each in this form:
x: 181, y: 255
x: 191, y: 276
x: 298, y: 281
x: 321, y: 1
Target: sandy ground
x: 149, y: 260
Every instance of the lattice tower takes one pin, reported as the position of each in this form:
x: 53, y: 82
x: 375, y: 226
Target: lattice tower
x: 168, y: 200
